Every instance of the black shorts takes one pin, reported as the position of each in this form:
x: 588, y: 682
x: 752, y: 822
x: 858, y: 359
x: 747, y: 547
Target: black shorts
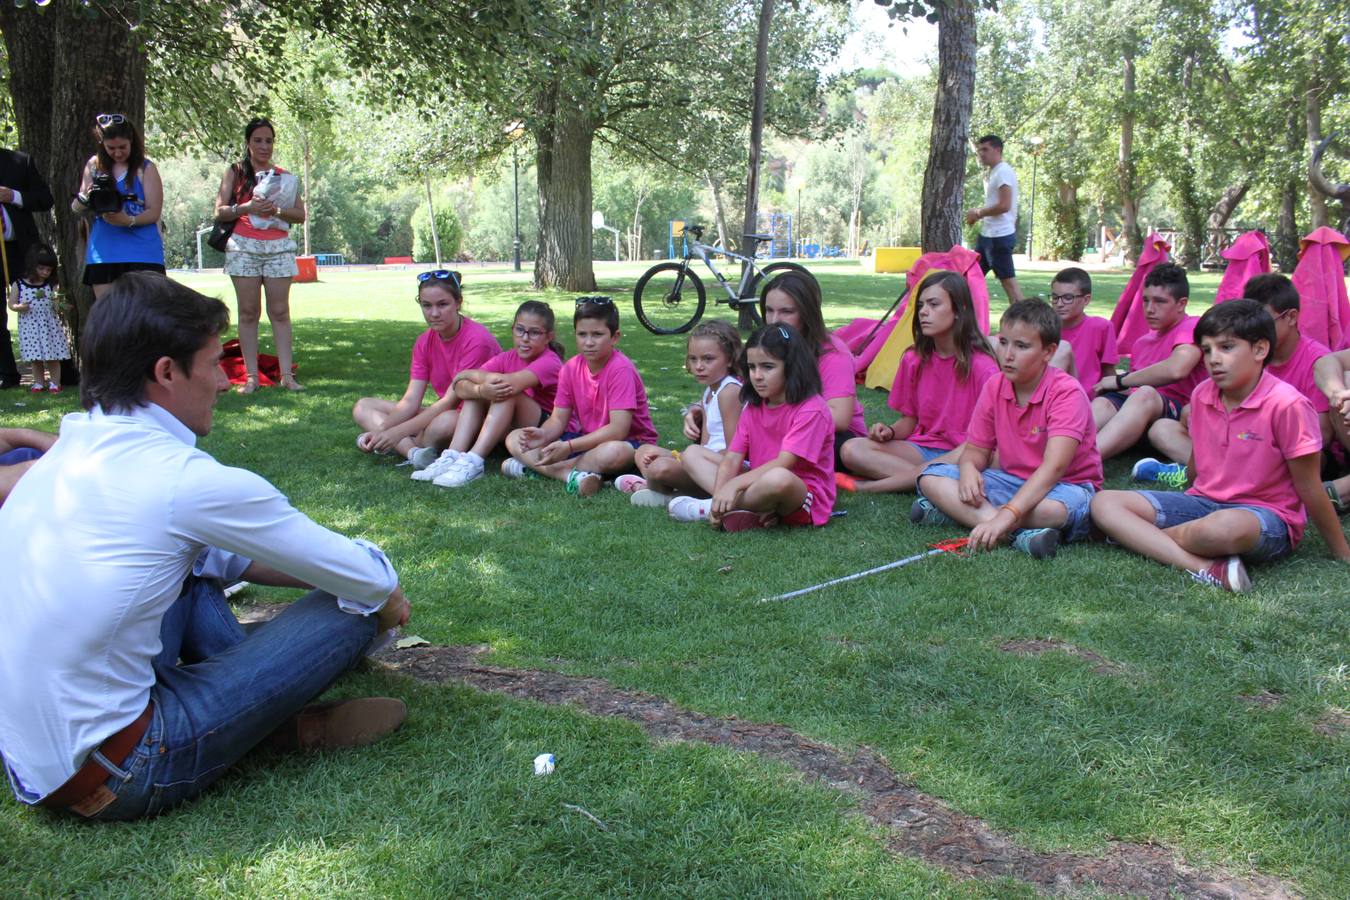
x: 1171, y: 408
x: 107, y: 273
x: 996, y: 253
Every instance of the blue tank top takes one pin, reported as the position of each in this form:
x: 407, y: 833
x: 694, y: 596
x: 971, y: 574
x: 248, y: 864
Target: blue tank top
x: 118, y: 244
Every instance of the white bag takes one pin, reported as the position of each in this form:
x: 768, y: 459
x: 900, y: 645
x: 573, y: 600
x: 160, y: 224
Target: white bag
x: 281, y: 188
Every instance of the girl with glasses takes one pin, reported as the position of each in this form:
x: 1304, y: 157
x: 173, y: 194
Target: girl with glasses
x: 511, y: 390
x: 452, y: 343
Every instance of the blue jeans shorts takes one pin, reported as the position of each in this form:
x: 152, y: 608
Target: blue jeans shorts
x: 1000, y: 487
x: 1172, y: 508
x: 928, y: 453
x: 996, y: 253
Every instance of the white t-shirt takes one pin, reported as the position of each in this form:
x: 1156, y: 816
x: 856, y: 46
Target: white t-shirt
x: 1004, y: 223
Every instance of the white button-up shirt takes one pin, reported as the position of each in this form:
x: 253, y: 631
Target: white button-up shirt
x: 99, y: 536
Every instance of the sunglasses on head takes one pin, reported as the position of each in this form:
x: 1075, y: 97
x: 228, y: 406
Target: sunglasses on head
x: 440, y: 275
x: 106, y: 119
x: 595, y: 300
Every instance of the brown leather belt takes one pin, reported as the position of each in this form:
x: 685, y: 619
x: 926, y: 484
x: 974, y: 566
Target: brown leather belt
x: 91, y: 775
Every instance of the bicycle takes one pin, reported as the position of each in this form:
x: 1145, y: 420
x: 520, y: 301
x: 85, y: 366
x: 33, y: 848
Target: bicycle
x: 670, y: 298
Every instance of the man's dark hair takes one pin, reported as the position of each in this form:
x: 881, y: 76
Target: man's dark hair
x: 143, y: 318
x: 1246, y: 320
x: 1079, y: 278
x: 601, y: 309
x: 1172, y: 277
x: 1274, y: 290
x: 992, y: 140
x: 1036, y: 313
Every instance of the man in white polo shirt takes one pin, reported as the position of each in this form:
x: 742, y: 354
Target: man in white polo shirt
x: 998, y: 216
x: 126, y: 684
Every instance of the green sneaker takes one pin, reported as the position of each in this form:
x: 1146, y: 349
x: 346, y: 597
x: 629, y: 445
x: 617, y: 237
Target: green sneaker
x: 583, y: 484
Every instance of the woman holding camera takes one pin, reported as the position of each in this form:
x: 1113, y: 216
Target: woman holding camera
x: 262, y: 200
x: 122, y: 190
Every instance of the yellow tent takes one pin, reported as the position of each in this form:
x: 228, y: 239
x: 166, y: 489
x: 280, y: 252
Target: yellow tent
x: 881, y: 371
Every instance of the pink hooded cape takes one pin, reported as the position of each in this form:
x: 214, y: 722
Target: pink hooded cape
x: 1128, y: 317
x: 957, y: 259
x: 1248, y: 257
x: 1320, y: 280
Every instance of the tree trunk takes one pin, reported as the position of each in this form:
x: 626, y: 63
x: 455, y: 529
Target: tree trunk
x: 1312, y: 111
x: 1286, y: 232
x: 1228, y: 203
x: 758, y: 89
x: 66, y: 67
x: 431, y: 217
x: 719, y: 211
x: 941, y: 218
x: 1126, y: 173
x: 563, y: 170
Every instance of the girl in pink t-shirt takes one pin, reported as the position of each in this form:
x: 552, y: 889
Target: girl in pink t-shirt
x: 794, y: 299
x: 712, y: 357
x: 513, y: 389
x: 935, y: 391
x: 786, y: 434
x: 451, y: 343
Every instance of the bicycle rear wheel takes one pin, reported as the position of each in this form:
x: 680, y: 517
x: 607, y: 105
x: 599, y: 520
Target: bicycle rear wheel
x: 766, y: 276
x: 669, y: 299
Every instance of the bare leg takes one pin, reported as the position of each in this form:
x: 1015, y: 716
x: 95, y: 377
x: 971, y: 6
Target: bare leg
x: 54, y: 371
x: 1128, y: 425
x: 10, y: 475
x: 1129, y: 518
x: 1170, y: 437
x: 1011, y: 288
x: 248, y: 295
x: 701, y: 465
x: 501, y: 417
x: 777, y: 492
x: 1103, y: 411
x: 279, y: 314
x: 666, y: 474
x: 891, y: 467
x: 439, y: 433
x: 38, y: 372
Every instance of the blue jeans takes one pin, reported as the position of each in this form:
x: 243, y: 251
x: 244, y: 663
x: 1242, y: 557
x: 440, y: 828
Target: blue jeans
x: 1001, y: 486
x: 1171, y: 508
x: 230, y: 691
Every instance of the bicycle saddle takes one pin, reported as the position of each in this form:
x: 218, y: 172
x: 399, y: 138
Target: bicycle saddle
x: 759, y: 237
x: 695, y: 230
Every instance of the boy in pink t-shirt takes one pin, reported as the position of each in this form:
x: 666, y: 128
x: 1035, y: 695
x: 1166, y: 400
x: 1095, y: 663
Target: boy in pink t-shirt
x: 452, y: 342
x: 1256, y: 463
x: 1164, y: 370
x: 600, y: 415
x: 1291, y: 360
x: 1092, y: 338
x: 1038, y: 419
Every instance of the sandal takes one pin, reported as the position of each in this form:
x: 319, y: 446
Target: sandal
x: 290, y: 384
x: 1337, y: 502
x: 249, y: 386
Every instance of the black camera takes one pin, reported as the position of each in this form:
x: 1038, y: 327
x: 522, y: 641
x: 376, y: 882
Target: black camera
x: 104, y: 197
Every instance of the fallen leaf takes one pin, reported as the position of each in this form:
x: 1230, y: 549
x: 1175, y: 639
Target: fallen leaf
x: 411, y: 640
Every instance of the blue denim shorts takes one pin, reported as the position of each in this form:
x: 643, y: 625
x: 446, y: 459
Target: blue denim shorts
x: 1000, y: 486
x: 1172, y: 508
x: 928, y: 453
x: 997, y: 253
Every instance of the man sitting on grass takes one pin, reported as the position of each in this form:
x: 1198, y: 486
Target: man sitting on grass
x: 1255, y: 462
x: 126, y: 684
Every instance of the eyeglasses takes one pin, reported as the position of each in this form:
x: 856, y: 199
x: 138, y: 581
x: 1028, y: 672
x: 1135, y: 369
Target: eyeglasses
x: 440, y: 275
x: 533, y: 334
x: 106, y: 119
x: 1058, y: 299
x: 595, y: 300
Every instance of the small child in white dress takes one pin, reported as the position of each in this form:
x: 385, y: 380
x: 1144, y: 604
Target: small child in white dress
x: 42, y: 340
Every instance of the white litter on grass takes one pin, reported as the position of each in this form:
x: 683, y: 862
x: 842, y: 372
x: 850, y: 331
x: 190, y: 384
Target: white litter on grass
x: 544, y: 764
x: 411, y: 640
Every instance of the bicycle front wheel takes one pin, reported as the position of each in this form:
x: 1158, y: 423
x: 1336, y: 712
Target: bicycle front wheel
x: 669, y: 299
x: 766, y: 276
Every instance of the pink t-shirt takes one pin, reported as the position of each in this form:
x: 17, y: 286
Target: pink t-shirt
x: 803, y: 429
x: 1297, y: 371
x: 1154, y: 347
x: 1094, y: 345
x: 437, y: 362
x: 545, y: 367
x: 1240, y: 455
x: 590, y: 397
x: 1057, y: 408
x: 839, y: 378
x: 934, y: 394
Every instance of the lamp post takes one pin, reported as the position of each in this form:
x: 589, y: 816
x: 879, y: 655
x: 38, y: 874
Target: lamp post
x: 1037, y: 143
x: 798, y: 182
x: 514, y: 131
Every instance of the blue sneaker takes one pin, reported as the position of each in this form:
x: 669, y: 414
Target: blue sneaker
x: 1038, y: 543
x: 925, y: 513
x: 1149, y: 469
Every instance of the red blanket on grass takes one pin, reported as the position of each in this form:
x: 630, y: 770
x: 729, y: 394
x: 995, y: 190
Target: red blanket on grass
x: 269, y: 367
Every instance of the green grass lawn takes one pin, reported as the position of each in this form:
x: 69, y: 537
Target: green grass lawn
x: 907, y: 663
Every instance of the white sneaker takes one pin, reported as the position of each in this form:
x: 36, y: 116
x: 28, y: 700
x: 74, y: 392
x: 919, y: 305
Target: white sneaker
x: 689, y: 509
x: 630, y: 483
x: 514, y: 468
x: 649, y: 497
x: 439, y: 467
x: 469, y: 467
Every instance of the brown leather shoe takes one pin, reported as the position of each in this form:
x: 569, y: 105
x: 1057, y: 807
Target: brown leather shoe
x: 340, y: 723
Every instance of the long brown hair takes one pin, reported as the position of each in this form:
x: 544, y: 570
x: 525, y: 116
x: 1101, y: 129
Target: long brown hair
x: 966, y: 334
x: 122, y: 129
x: 244, y: 174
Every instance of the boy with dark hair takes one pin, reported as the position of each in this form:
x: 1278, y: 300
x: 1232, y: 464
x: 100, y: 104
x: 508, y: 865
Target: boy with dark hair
x: 600, y: 414
x: 1164, y: 369
x: 1092, y: 338
x: 1291, y: 360
x: 1255, y: 464
x: 1039, y: 421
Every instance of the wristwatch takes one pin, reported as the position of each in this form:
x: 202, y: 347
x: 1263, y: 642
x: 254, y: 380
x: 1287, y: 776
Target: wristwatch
x: 1120, y: 381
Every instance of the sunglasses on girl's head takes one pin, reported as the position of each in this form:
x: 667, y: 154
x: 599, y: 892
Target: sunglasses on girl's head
x: 440, y: 275
x: 106, y: 119
x: 596, y: 300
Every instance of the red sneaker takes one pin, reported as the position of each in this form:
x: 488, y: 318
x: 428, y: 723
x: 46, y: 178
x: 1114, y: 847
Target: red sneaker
x: 742, y: 520
x: 1229, y: 574
x: 845, y: 482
